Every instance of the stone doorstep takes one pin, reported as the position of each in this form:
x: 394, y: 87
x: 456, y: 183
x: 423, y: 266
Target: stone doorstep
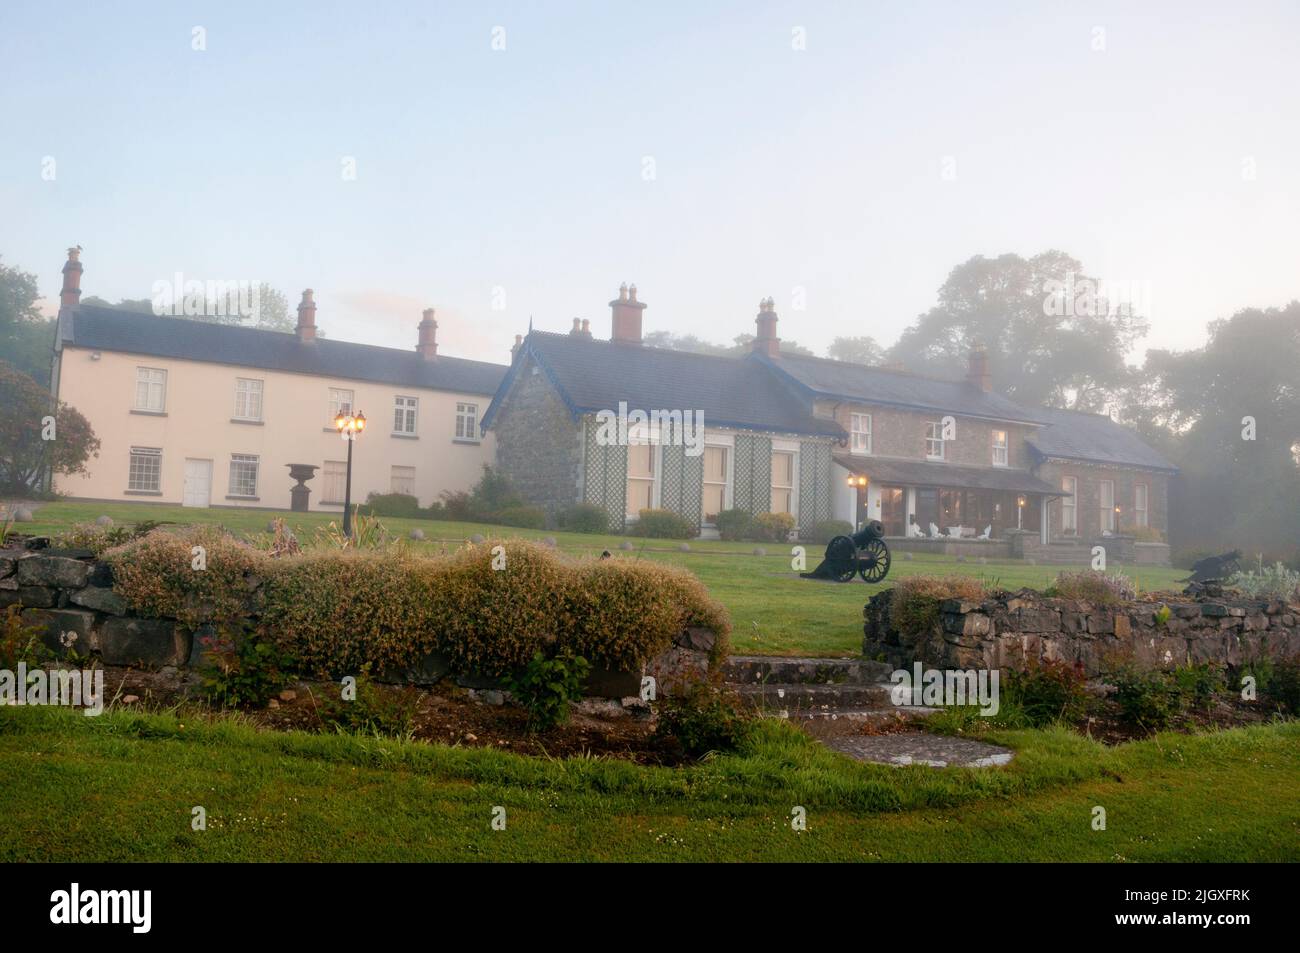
x: 756, y: 669
x: 808, y: 697
x: 911, y: 748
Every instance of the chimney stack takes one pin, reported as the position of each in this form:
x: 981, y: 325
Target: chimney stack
x: 978, y: 374
x: 428, y: 346
x: 577, y: 327
x: 519, y: 342
x: 767, y: 342
x: 586, y: 328
x: 306, y: 329
x: 71, y: 293
x: 626, y: 316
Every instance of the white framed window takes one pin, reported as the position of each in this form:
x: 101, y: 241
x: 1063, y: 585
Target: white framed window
x: 642, y: 472
x: 243, y: 474
x: 334, y: 477
x: 717, y: 476
x: 145, y: 472
x: 404, y: 414
x: 1140, y: 505
x: 1106, y: 501
x: 466, y: 421
x: 150, y: 389
x: 859, y: 433
x: 1001, y: 453
x: 248, y: 398
x: 342, y: 401
x: 782, y: 481
x: 402, y: 480
x: 934, y: 440
x: 1069, y: 505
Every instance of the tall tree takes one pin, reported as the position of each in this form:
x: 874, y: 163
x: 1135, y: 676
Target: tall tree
x: 856, y: 350
x: 1229, y: 415
x: 1052, y: 338
x: 26, y: 336
x: 30, y: 442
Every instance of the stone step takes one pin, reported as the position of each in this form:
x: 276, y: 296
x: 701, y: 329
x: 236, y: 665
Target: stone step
x: 756, y: 669
x: 811, y: 697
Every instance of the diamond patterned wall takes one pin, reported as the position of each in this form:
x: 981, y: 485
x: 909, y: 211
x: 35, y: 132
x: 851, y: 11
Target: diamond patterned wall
x: 605, y: 476
x: 815, y: 502
x: 752, y: 483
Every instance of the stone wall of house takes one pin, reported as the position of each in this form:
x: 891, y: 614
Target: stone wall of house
x: 902, y: 433
x: 70, y: 597
x: 1088, y: 501
x: 538, y: 441
x: 1012, y: 631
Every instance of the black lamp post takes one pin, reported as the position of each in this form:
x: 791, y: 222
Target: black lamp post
x: 350, y: 427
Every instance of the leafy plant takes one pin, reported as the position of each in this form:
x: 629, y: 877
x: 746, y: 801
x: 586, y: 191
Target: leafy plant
x: 243, y: 672
x: 524, y: 517
x: 545, y: 688
x: 1284, y: 684
x: 20, y: 641
x: 734, y: 524
x: 1096, y: 587
x: 367, y: 533
x: 1148, y: 699
x: 1049, y: 691
x: 373, y: 711
x: 773, y: 527
x: 704, y: 718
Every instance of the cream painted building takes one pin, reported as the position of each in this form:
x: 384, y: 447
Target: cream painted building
x: 203, y: 415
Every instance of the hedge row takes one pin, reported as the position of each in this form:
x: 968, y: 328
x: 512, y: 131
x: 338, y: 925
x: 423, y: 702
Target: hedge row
x: 338, y: 610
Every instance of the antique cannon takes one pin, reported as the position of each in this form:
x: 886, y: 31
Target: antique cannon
x: 864, y: 553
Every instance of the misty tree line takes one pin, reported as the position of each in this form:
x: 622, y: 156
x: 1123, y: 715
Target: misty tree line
x: 1227, y: 413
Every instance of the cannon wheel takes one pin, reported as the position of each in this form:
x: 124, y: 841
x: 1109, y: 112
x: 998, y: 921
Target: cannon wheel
x: 873, y: 561
x: 841, y: 558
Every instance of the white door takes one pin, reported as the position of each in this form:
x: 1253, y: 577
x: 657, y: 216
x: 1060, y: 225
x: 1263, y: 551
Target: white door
x: 198, y: 483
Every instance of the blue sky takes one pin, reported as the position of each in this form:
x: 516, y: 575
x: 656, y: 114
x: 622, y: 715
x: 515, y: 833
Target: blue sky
x: 482, y: 171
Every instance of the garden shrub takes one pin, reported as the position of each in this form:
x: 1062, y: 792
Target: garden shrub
x: 1143, y: 534
x: 545, y: 688
x: 457, y: 505
x: 773, y: 527
x: 156, y: 575
x: 916, y: 600
x: 584, y: 518
x: 1284, y: 684
x: 1096, y: 587
x: 1268, y: 582
x: 826, y: 530
x: 734, y: 524
x: 1049, y: 691
x: 703, y: 719
x: 1148, y: 699
x: 21, y: 642
x: 397, y: 505
x: 662, y: 524
x: 623, y: 613
x: 525, y: 517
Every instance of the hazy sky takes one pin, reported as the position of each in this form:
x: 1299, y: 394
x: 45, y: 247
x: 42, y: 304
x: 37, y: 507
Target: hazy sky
x: 1170, y: 158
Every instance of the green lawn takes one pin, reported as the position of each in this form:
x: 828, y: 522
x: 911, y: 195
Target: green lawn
x: 122, y: 787
x: 773, y: 610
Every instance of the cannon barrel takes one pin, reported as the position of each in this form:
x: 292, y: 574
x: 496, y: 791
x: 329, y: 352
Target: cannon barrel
x: 871, y: 529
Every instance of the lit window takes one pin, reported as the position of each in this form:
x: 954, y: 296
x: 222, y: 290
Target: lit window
x: 243, y: 474
x: 150, y: 389
x: 404, y: 409
x: 1140, y: 505
x: 466, y: 421
x: 1069, y: 510
x: 145, y: 474
x: 1000, y: 455
x: 860, y: 433
x: 248, y: 399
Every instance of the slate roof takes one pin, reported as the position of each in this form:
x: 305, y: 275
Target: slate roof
x: 894, y: 472
x: 132, y: 332
x: 822, y: 377
x: 1094, y: 438
x: 593, y: 375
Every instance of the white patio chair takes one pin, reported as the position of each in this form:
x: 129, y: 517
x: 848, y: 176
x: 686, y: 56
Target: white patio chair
x: 934, y: 532
x: 988, y: 532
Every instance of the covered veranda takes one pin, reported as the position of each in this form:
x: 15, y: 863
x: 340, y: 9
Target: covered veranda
x: 940, y: 504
